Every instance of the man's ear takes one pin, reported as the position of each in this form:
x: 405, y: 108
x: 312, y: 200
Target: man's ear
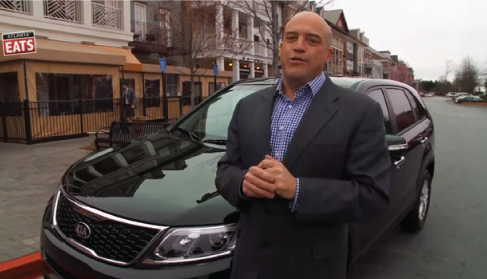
x: 329, y: 54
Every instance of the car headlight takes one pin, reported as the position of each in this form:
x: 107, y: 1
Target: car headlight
x: 187, y: 245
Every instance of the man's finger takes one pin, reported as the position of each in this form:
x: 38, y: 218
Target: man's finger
x: 254, y: 191
x: 269, y: 157
x: 260, y: 173
x: 267, y: 163
x: 260, y: 183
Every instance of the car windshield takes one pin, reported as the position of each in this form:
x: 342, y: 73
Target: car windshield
x: 210, y: 121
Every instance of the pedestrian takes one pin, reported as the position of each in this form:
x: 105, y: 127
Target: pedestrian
x: 302, y: 160
x: 128, y: 100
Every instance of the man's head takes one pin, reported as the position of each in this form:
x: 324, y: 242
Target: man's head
x: 305, y: 47
x: 125, y: 85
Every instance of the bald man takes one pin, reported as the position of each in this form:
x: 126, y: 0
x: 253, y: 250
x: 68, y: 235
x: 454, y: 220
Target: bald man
x: 303, y: 159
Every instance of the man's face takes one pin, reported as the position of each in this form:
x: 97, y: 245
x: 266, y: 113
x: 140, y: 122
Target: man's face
x: 304, y: 49
x: 124, y: 87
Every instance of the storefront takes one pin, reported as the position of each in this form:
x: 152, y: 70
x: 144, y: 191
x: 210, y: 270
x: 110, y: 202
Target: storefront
x: 54, y: 80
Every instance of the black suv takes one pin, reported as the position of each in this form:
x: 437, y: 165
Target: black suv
x: 149, y: 208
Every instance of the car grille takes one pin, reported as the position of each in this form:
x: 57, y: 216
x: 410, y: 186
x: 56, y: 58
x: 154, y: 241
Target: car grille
x: 110, y: 240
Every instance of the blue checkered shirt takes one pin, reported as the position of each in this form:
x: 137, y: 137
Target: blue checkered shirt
x: 286, y: 116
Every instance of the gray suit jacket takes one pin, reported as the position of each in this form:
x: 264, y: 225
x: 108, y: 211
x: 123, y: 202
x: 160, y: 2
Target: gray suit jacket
x: 339, y: 153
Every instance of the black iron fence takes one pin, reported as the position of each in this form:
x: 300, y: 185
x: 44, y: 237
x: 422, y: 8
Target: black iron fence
x: 41, y: 121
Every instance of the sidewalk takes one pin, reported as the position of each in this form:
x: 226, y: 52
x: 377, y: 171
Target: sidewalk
x: 29, y: 176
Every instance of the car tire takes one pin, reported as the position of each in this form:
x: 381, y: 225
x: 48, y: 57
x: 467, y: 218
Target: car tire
x: 416, y: 218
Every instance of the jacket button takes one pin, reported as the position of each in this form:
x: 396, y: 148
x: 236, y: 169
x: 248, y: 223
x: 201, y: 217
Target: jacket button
x: 265, y: 244
x: 268, y: 211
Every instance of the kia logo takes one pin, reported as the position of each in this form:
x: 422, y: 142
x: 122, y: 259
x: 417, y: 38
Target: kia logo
x: 83, y: 230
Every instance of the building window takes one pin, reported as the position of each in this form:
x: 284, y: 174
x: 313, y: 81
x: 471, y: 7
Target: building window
x: 59, y: 94
x: 172, y: 85
x: 9, y: 95
x: 211, y: 87
x: 152, y: 94
x: 9, y: 85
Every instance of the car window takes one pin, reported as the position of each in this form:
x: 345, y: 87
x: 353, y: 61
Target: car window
x: 378, y: 96
x: 401, y: 107
x: 417, y: 110
x: 212, y: 120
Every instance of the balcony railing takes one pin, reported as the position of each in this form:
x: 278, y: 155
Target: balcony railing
x: 64, y: 10
x: 16, y: 6
x: 107, y: 16
x: 152, y: 33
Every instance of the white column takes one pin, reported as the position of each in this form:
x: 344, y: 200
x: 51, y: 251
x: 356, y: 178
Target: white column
x: 37, y: 8
x: 250, y: 34
x: 235, y: 23
x: 126, y: 16
x: 86, y: 11
x: 265, y: 67
x: 252, y: 69
x: 220, y: 61
x: 219, y: 24
x: 236, y: 70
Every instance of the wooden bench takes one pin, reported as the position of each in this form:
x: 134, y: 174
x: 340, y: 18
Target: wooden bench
x: 122, y: 132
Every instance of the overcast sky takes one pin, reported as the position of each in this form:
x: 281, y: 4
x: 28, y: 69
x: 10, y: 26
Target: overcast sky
x: 424, y: 33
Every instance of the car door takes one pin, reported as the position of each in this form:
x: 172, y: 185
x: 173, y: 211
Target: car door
x: 406, y: 123
x: 369, y: 231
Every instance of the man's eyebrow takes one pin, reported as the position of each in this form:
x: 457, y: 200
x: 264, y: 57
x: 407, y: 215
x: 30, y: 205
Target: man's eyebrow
x: 312, y: 34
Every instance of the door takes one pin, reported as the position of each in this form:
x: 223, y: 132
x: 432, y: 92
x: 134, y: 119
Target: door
x: 406, y: 123
x: 139, y: 22
x: 369, y: 231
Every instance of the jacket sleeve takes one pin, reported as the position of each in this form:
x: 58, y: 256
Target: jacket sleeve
x: 230, y: 172
x: 365, y: 192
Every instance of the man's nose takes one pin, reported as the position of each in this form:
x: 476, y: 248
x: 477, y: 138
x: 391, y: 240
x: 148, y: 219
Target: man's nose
x: 299, y: 45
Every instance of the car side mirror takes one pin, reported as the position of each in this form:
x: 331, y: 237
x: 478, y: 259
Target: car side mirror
x: 397, y: 145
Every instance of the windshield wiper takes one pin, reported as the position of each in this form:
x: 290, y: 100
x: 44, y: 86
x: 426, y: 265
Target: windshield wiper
x: 192, y: 135
x: 216, y: 141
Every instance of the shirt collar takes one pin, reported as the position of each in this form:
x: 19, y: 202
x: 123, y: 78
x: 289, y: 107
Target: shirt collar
x: 315, y: 85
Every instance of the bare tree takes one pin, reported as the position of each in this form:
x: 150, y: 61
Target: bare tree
x: 448, y: 69
x: 270, y: 22
x: 467, y: 75
x: 200, y: 36
x: 443, y: 85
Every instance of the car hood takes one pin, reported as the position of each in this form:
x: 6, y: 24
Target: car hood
x: 159, y: 179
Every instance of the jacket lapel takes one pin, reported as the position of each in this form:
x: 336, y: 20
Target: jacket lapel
x: 320, y: 112
x: 262, y: 121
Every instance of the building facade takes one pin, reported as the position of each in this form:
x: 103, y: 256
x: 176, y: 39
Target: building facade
x: 362, y: 44
x: 339, y: 62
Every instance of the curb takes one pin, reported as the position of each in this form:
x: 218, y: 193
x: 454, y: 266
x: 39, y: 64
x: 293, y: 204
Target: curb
x: 26, y: 267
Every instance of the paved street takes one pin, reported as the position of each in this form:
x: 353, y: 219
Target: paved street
x: 29, y: 176
x: 452, y: 245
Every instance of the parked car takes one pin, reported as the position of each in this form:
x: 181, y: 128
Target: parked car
x: 429, y: 94
x: 450, y: 94
x: 149, y: 208
x: 456, y: 95
x: 468, y: 98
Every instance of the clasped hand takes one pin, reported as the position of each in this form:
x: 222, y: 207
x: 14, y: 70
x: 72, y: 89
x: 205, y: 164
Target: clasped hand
x: 268, y: 179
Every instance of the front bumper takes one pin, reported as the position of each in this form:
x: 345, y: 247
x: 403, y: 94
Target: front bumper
x: 61, y: 261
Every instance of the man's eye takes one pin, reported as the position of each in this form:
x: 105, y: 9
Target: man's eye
x: 290, y: 38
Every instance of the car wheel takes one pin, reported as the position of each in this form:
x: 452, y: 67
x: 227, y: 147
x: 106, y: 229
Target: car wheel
x: 416, y: 218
